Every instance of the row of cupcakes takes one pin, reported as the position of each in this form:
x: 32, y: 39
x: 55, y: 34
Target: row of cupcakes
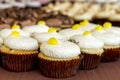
x: 58, y: 57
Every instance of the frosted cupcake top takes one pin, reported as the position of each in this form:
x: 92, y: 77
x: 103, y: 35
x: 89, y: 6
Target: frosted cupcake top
x: 75, y: 30
x: 39, y: 28
x: 6, y: 32
x: 86, y: 40
x: 114, y: 17
x: 1, y: 41
x: 18, y: 4
x: 107, y: 37
x: 5, y: 6
x: 15, y: 41
x: 59, y: 49
x: 42, y: 37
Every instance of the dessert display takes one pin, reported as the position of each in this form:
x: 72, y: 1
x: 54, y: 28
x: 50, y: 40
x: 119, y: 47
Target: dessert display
x: 111, y: 44
x: 61, y: 37
x: 62, y: 61
x: 19, y: 53
x: 91, y: 48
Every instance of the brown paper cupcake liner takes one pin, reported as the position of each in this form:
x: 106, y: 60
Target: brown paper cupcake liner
x: 90, y: 61
x: 111, y: 55
x: 18, y: 62
x: 59, y: 68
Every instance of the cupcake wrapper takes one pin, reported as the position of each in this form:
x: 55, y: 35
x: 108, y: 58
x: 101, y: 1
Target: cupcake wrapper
x: 19, y: 62
x: 90, y: 61
x: 111, y: 55
x: 59, y: 68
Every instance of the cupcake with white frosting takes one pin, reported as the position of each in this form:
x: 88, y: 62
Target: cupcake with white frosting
x: 39, y: 28
x: 75, y: 30
x: 19, y: 53
x: 61, y: 57
x: 6, y: 32
x: 91, y: 48
x: 43, y: 37
x: 111, y: 44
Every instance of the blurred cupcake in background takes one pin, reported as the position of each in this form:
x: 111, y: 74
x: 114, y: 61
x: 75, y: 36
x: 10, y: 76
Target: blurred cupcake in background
x: 91, y: 49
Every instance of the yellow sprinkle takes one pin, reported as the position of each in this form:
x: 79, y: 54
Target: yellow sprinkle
x: 51, y: 30
x: 53, y: 41
x: 41, y: 22
x: 107, y: 25
x: 98, y: 28
x: 86, y: 33
x: 76, y: 26
x: 84, y: 23
x: 15, y: 27
x: 15, y: 34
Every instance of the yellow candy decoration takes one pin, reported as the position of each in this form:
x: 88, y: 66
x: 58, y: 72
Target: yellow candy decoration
x: 15, y: 34
x: 53, y: 41
x: 98, y: 28
x: 107, y: 25
x: 86, y: 33
x: 41, y: 22
x: 84, y: 23
x: 51, y: 30
x: 76, y: 26
x: 15, y: 27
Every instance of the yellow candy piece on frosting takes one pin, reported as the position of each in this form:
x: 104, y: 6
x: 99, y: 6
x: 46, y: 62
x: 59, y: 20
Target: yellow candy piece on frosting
x: 84, y: 23
x: 15, y: 34
x: 15, y: 27
x: 86, y: 33
x: 98, y: 28
x: 76, y: 26
x: 107, y: 25
x: 51, y: 30
x: 53, y: 41
x: 41, y: 22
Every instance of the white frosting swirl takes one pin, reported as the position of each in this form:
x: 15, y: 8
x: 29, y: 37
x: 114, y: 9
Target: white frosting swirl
x: 107, y: 37
x: 18, y: 4
x: 33, y: 3
x: 88, y: 27
x: 42, y: 37
x: 115, y: 30
x: 6, y: 32
x: 70, y: 32
x: 87, y: 41
x: 65, y: 49
x: 36, y: 28
x: 5, y: 6
x: 22, y: 43
x: 1, y: 41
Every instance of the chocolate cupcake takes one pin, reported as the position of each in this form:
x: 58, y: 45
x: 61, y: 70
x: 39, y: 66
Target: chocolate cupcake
x: 19, y: 53
x: 91, y: 48
x: 111, y: 44
x: 61, y: 57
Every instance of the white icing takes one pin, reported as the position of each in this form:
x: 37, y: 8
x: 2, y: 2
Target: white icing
x: 107, y: 37
x: 33, y: 3
x: 6, y: 32
x: 1, y: 41
x: 70, y: 32
x: 36, y: 28
x: 18, y: 4
x: 42, y: 37
x: 22, y: 43
x: 87, y: 41
x: 65, y: 49
x: 5, y: 6
x: 115, y: 30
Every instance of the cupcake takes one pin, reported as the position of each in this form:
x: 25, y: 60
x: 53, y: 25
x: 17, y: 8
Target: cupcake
x: 91, y: 48
x: 61, y: 57
x: 39, y: 28
x: 43, y: 37
x: 19, y: 53
x: 111, y: 44
x: 75, y: 30
x: 6, y: 32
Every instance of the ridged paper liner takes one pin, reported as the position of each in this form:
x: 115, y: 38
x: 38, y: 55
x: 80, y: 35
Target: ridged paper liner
x: 111, y: 55
x: 59, y: 68
x: 20, y: 61
x: 90, y: 61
